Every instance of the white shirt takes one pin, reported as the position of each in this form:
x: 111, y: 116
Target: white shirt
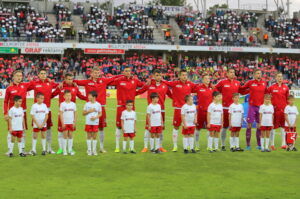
x: 189, y: 112
x: 39, y: 111
x: 216, y: 111
x: 88, y: 117
x: 236, y: 111
x: 129, y: 118
x: 155, y: 114
x: 68, y: 110
x: 292, y: 113
x: 17, y: 117
x: 267, y: 115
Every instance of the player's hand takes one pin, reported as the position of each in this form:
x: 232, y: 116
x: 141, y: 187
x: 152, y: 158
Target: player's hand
x: 74, y: 84
x: 63, y: 126
x: 163, y: 126
x: 208, y: 126
x: 258, y: 125
x: 92, y: 110
x: 60, y: 85
x: 93, y: 118
x: 6, y: 117
x: 185, y: 127
x: 149, y: 128
x: 148, y: 82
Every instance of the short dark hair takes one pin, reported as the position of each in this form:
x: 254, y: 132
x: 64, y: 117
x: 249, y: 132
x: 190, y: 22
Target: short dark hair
x: 125, y: 67
x: 17, y: 71
x: 129, y: 101
x: 69, y: 75
x: 187, y: 97
x: 42, y: 69
x: 216, y: 93
x: 235, y: 94
x: 291, y: 97
x: 229, y: 69
x: 39, y: 94
x: 17, y: 98
x: 93, y: 93
x: 153, y: 95
x: 156, y: 71
x: 256, y: 70
x: 182, y: 71
x: 267, y: 95
x: 67, y: 91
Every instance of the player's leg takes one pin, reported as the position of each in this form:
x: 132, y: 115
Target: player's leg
x: 224, y: 129
x: 161, y: 135
x: 216, y: 140
x: 9, y: 137
x: 24, y: 133
x: 131, y: 143
x: 267, y: 141
x: 283, y: 138
x: 262, y: 140
x: 102, y: 125
x: 157, y: 142
x: 258, y: 131
x: 176, y: 125
x: 250, y: 120
x: 64, y: 142
x: 152, y: 137
x: 185, y: 140
x: 88, y: 140
x: 21, y: 144
x: 70, y: 142
x: 237, y: 141
x: 43, y: 136
x: 210, y: 141
x: 94, y: 138
x: 125, y: 135
x: 34, y: 141
x: 232, y: 141
x: 49, y: 133
x: 118, y: 127
x: 146, y: 137
x: 192, y: 140
x: 11, y: 145
x: 60, y: 137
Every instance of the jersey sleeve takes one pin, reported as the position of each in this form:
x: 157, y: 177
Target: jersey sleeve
x: 32, y: 110
x: 55, y: 92
x: 219, y: 86
x: 261, y: 109
x: 135, y: 118
x: 297, y: 113
x: 142, y: 90
x: 81, y: 82
x: 242, y: 108
x: 123, y: 115
x: 80, y: 95
x: 10, y: 113
x: 109, y: 81
x: 100, y: 108
x: 75, y: 108
x: 148, y: 109
x: 286, y: 110
x: 139, y: 83
x: 46, y: 109
x: 209, y: 109
x: 61, y: 107
x: 230, y: 109
x: 183, y: 110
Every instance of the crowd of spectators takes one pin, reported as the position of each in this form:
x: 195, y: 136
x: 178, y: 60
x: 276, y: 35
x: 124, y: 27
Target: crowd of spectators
x: 249, y: 20
x: 222, y: 27
x: 143, y: 65
x: 62, y: 13
x: 78, y: 9
x: 286, y: 32
x: 9, y: 23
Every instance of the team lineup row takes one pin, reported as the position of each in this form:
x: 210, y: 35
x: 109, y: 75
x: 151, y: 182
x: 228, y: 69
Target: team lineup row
x: 271, y: 108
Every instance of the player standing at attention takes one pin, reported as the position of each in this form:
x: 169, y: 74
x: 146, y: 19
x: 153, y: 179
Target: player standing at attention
x: 156, y: 86
x: 180, y: 89
x: 214, y: 121
x: 280, y: 93
x: 266, y: 117
x: 128, y: 123
x: 204, y: 94
x: 68, y: 117
x: 189, y: 121
x: 257, y: 89
x: 99, y: 85
x: 291, y: 116
x: 236, y: 112
x: 16, y: 125
x: 39, y: 113
x: 17, y: 88
x: 45, y: 86
x: 155, y: 122
x: 126, y: 90
x: 92, y: 111
x: 227, y: 87
x: 66, y: 85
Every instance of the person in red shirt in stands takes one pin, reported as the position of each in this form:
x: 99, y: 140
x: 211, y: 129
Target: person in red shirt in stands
x: 279, y: 92
x: 256, y: 89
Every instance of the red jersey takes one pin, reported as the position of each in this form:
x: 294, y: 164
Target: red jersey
x: 126, y: 89
x: 204, y: 95
x: 257, y: 90
x: 162, y: 90
x: 44, y: 87
x: 74, y: 92
x: 14, y: 90
x: 179, y: 91
x: 99, y: 86
x: 279, y: 95
x: 227, y: 88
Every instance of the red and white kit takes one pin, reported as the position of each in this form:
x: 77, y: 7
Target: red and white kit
x: 39, y: 111
x: 216, y: 112
x: 237, y: 112
x: 68, y: 110
x: 155, y: 118
x: 129, y: 118
x: 92, y: 125
x: 266, y: 123
x: 17, y: 117
x: 189, y: 112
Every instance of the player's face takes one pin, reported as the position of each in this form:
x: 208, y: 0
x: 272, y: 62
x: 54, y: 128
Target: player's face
x: 257, y: 75
x: 155, y: 100
x: 231, y: 74
x: 95, y: 74
x: 42, y: 75
x: 183, y: 76
x: 40, y: 99
x: 127, y: 72
x: 68, y: 96
x: 236, y: 99
x: 129, y: 106
x: 291, y: 101
x: 206, y: 80
x: 18, y: 103
x: 69, y: 80
x: 267, y: 100
x: 279, y: 78
x: 157, y: 77
x: 189, y: 101
x: 218, y: 98
x: 91, y: 98
x: 18, y: 77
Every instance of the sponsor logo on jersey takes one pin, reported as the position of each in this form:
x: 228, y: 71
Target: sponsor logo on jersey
x: 123, y: 84
x: 226, y: 85
x: 179, y: 86
x: 13, y: 91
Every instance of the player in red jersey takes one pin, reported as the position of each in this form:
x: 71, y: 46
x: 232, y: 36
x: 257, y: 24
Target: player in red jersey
x: 256, y: 89
x: 204, y: 93
x: 45, y: 86
x: 17, y: 88
x: 227, y: 87
x: 66, y: 85
x: 280, y: 93
x: 156, y: 86
x: 99, y: 85
x: 180, y: 89
x: 126, y: 90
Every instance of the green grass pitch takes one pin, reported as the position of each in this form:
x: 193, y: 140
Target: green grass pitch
x: 170, y: 175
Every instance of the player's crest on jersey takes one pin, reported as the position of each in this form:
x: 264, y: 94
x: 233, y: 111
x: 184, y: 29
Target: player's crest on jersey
x: 236, y: 84
x: 163, y: 86
x: 38, y: 86
x: 226, y: 85
x: 254, y: 84
x: 101, y: 81
x: 132, y: 82
x: 48, y: 84
x: 73, y: 89
x: 13, y: 91
x: 22, y: 86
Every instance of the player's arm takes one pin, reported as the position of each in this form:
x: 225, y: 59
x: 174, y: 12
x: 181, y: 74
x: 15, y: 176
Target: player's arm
x: 218, y: 86
x: 86, y: 111
x: 195, y: 120
x: 80, y: 95
x: 34, y: 121
x: 109, y: 81
x: 55, y: 92
x: 24, y: 125
x: 61, y: 118
x: 169, y: 93
x: 9, y: 124
x: 6, y: 104
x: 122, y: 125
x: 208, y: 119
x: 82, y: 82
x: 294, y: 125
x: 142, y: 90
x: 75, y: 117
x: 148, y: 120
x: 45, y: 120
x: 287, y: 119
x: 260, y: 117
x: 134, y: 126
